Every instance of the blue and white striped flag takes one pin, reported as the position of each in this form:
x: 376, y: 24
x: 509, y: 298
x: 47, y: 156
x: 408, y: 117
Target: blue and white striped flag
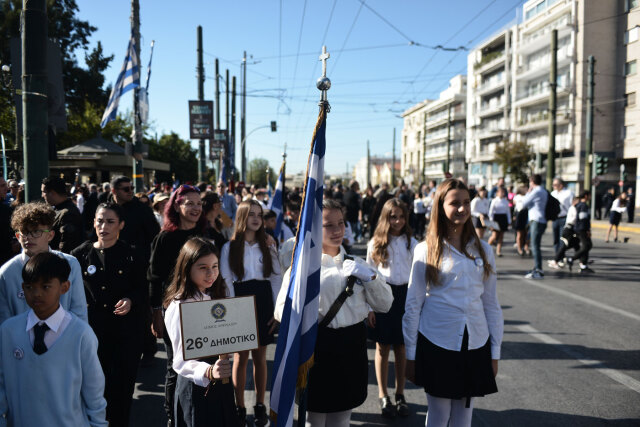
x: 276, y: 203
x: 299, y: 323
x: 128, y: 79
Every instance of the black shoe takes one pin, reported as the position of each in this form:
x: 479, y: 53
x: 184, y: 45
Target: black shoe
x: 386, y: 407
x: 586, y: 270
x: 570, y: 263
x: 260, y: 415
x: 242, y: 416
x: 401, y: 406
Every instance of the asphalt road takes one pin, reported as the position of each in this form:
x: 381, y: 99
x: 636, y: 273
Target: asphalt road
x: 570, y: 355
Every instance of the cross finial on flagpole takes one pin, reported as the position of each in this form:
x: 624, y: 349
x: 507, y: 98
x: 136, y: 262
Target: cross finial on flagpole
x: 323, y: 83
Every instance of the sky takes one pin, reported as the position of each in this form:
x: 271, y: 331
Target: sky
x: 382, y: 60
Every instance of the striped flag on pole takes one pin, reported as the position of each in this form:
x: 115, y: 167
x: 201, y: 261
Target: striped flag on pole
x: 276, y: 203
x: 299, y: 323
x: 128, y: 79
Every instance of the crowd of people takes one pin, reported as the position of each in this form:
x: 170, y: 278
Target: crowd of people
x: 112, y: 267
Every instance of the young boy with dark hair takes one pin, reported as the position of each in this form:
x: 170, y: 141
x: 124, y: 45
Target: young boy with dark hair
x: 49, y: 356
x: 33, y: 225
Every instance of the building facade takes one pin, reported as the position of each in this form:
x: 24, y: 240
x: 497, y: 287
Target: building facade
x: 412, y: 143
x: 509, y: 89
x: 630, y: 34
x: 380, y: 171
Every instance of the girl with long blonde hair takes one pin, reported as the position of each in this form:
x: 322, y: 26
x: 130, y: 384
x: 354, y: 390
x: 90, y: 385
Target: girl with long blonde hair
x: 390, y: 251
x: 453, y: 322
x: 249, y: 264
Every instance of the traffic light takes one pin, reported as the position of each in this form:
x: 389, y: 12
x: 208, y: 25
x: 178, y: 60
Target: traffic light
x: 274, y: 126
x: 602, y: 165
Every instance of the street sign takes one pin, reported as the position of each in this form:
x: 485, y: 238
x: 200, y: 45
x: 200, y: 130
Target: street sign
x: 200, y: 119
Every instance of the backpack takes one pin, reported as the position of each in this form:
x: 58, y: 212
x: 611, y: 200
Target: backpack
x: 552, y: 210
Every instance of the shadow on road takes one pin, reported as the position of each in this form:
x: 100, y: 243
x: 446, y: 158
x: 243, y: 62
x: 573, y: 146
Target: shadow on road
x: 530, y: 418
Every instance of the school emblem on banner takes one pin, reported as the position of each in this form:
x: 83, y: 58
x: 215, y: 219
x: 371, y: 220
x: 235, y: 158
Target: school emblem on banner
x: 218, y: 311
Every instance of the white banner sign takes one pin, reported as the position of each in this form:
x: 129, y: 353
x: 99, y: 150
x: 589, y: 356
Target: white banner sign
x: 220, y: 326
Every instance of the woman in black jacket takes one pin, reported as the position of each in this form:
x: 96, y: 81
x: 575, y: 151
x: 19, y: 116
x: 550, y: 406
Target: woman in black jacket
x: 114, y: 280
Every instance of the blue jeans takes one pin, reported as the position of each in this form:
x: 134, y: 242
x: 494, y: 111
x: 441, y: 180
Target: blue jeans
x: 558, y: 225
x: 537, y: 230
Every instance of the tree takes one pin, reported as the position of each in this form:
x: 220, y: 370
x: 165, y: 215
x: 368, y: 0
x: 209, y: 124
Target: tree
x: 514, y: 158
x: 257, y: 173
x: 83, y: 87
x: 178, y: 153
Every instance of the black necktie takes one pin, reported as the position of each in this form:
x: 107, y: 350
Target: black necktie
x: 39, y: 346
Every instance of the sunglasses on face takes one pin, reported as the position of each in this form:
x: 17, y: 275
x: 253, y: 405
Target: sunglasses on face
x: 126, y: 189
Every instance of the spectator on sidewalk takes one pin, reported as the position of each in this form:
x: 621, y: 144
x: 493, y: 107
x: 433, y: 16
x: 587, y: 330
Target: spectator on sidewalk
x: 617, y: 209
x: 583, y: 230
x: 631, y: 205
x: 68, y: 225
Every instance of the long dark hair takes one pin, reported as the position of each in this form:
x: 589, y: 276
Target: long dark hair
x: 171, y: 215
x: 182, y: 287
x: 236, y: 245
x: 438, y: 229
x: 380, y: 254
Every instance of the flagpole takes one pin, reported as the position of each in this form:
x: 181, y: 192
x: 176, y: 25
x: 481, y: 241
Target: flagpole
x: 138, y: 172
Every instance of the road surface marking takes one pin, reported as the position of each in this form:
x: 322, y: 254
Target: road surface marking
x: 571, y: 295
x: 615, y: 375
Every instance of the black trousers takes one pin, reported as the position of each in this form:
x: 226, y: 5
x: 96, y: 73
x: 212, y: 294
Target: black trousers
x: 170, y: 379
x: 585, y: 247
x: 119, y: 360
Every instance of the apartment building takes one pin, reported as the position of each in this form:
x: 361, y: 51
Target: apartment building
x: 630, y: 34
x: 514, y: 106
x: 434, y: 133
x: 380, y: 171
x: 412, y: 143
x: 488, y: 104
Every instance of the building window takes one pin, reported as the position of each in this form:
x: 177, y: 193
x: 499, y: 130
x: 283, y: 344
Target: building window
x: 630, y: 4
x: 631, y: 35
x: 630, y: 99
x: 630, y: 68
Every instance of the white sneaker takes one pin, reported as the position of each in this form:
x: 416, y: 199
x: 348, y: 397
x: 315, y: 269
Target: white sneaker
x: 555, y: 265
x: 534, y: 274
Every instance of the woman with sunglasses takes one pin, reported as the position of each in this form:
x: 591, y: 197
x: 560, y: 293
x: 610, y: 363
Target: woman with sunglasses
x: 183, y: 219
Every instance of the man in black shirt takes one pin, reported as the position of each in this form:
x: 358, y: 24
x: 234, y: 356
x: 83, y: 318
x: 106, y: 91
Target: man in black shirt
x: 353, y: 203
x: 68, y: 225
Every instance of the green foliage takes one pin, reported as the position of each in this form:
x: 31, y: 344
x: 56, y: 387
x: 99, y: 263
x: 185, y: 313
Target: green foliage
x: 84, y: 90
x: 257, y: 173
x: 178, y: 153
x: 514, y: 158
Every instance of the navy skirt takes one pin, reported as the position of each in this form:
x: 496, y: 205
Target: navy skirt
x: 192, y: 408
x: 502, y: 221
x: 339, y: 376
x: 388, y: 328
x: 454, y: 374
x: 614, y: 218
x: 261, y: 289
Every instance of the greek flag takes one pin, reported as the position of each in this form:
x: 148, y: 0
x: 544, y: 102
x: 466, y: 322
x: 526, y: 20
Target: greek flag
x: 276, y: 203
x: 299, y: 323
x: 129, y: 78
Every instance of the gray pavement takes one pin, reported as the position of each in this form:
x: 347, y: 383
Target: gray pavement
x: 570, y: 355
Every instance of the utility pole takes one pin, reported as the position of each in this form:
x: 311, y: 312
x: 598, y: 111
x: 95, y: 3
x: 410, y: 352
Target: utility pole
x: 232, y: 137
x: 447, y: 164
x: 224, y: 152
x: 243, y: 115
x: 138, y: 172
x: 231, y: 161
x: 393, y: 157
x: 551, y: 154
x: 202, y: 162
x: 368, y: 164
x: 33, y: 22
x: 589, y: 167
x: 218, y: 124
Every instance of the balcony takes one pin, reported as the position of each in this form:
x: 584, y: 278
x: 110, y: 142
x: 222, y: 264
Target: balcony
x: 538, y: 96
x: 491, y: 109
x: 541, y: 121
x: 532, y: 71
x: 489, y: 62
x: 490, y: 86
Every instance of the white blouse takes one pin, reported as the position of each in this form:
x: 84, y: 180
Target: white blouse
x: 480, y: 206
x: 464, y: 299
x: 193, y: 370
x: 617, y: 208
x: 252, y: 267
x: 398, y: 266
x: 355, y: 309
x: 500, y: 206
